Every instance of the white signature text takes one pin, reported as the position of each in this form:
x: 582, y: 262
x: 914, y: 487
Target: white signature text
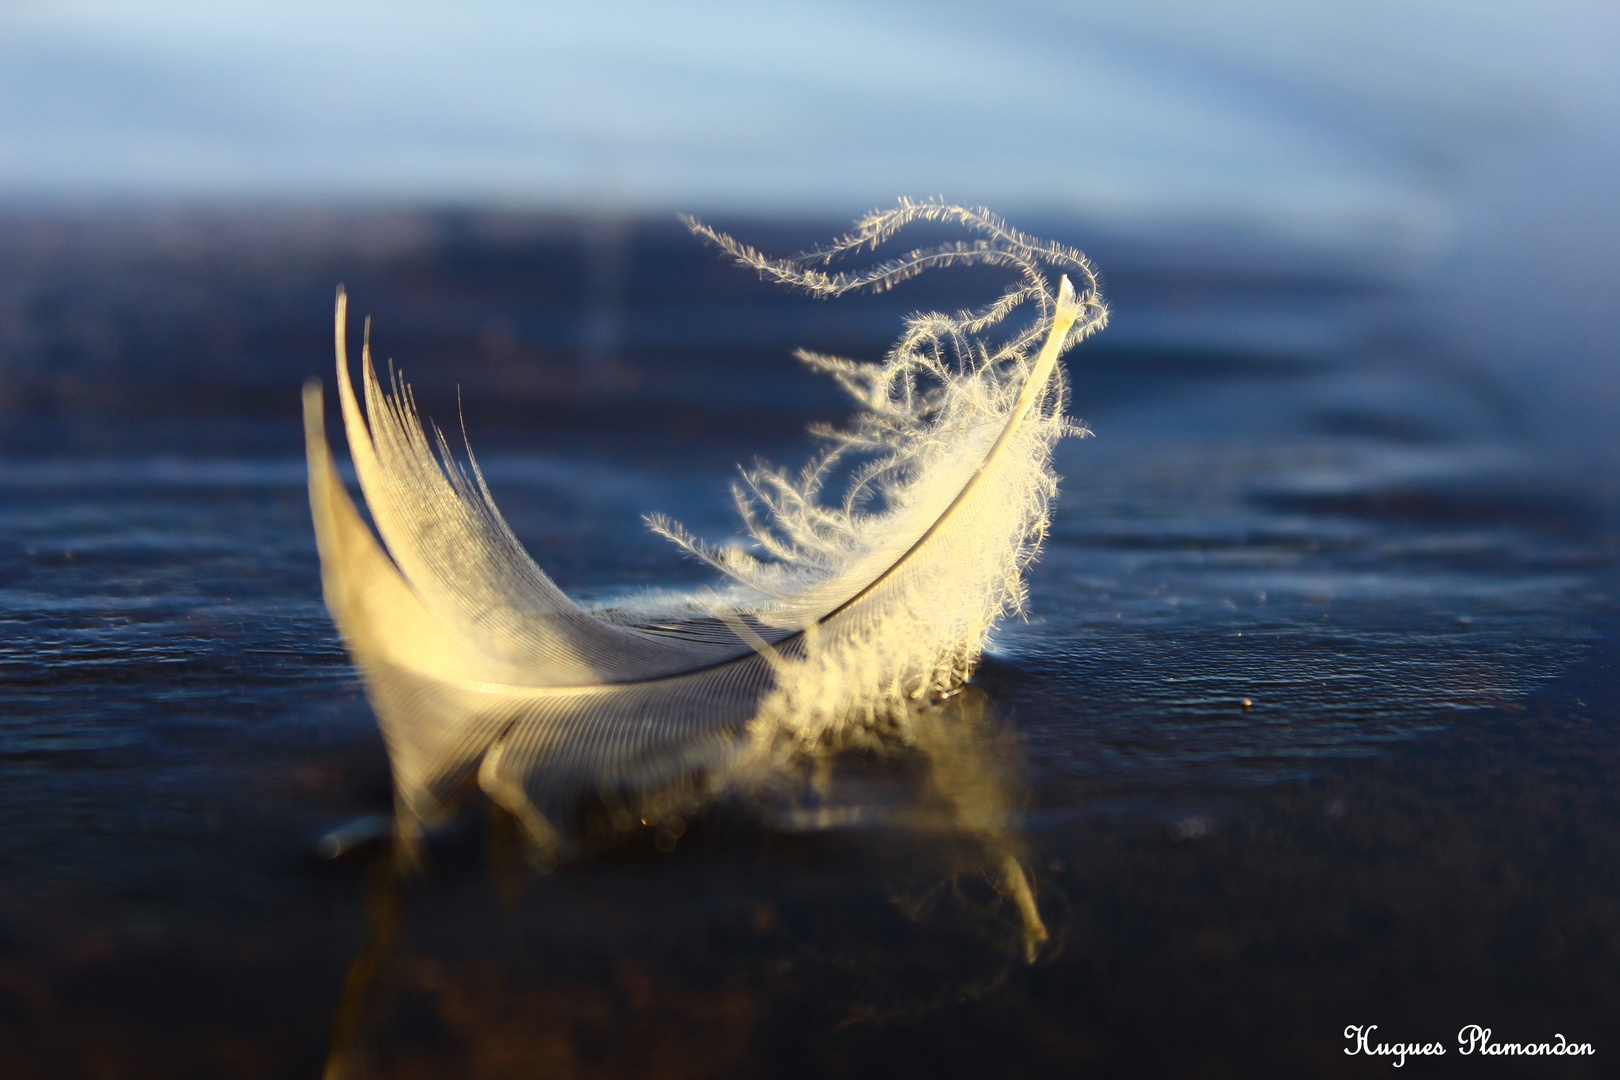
x: 1471, y: 1039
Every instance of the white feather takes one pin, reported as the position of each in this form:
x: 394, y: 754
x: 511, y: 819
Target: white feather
x: 481, y: 670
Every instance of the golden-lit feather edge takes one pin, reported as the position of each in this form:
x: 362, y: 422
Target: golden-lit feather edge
x: 471, y: 574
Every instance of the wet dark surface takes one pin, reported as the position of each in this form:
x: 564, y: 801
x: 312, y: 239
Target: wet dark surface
x: 1313, y: 721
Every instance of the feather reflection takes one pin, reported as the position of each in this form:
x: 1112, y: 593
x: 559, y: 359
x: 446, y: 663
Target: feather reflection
x: 873, y: 880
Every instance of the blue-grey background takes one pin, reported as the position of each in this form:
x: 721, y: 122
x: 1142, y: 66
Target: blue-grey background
x: 1355, y: 464
x: 1466, y: 150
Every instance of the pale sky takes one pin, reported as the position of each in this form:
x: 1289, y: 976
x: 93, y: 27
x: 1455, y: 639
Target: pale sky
x: 1374, y: 119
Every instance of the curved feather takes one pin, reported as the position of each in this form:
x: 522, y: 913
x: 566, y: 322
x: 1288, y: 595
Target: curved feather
x: 481, y: 670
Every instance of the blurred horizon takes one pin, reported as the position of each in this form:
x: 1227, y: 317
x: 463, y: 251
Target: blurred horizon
x: 1307, y: 119
x: 1461, y: 155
